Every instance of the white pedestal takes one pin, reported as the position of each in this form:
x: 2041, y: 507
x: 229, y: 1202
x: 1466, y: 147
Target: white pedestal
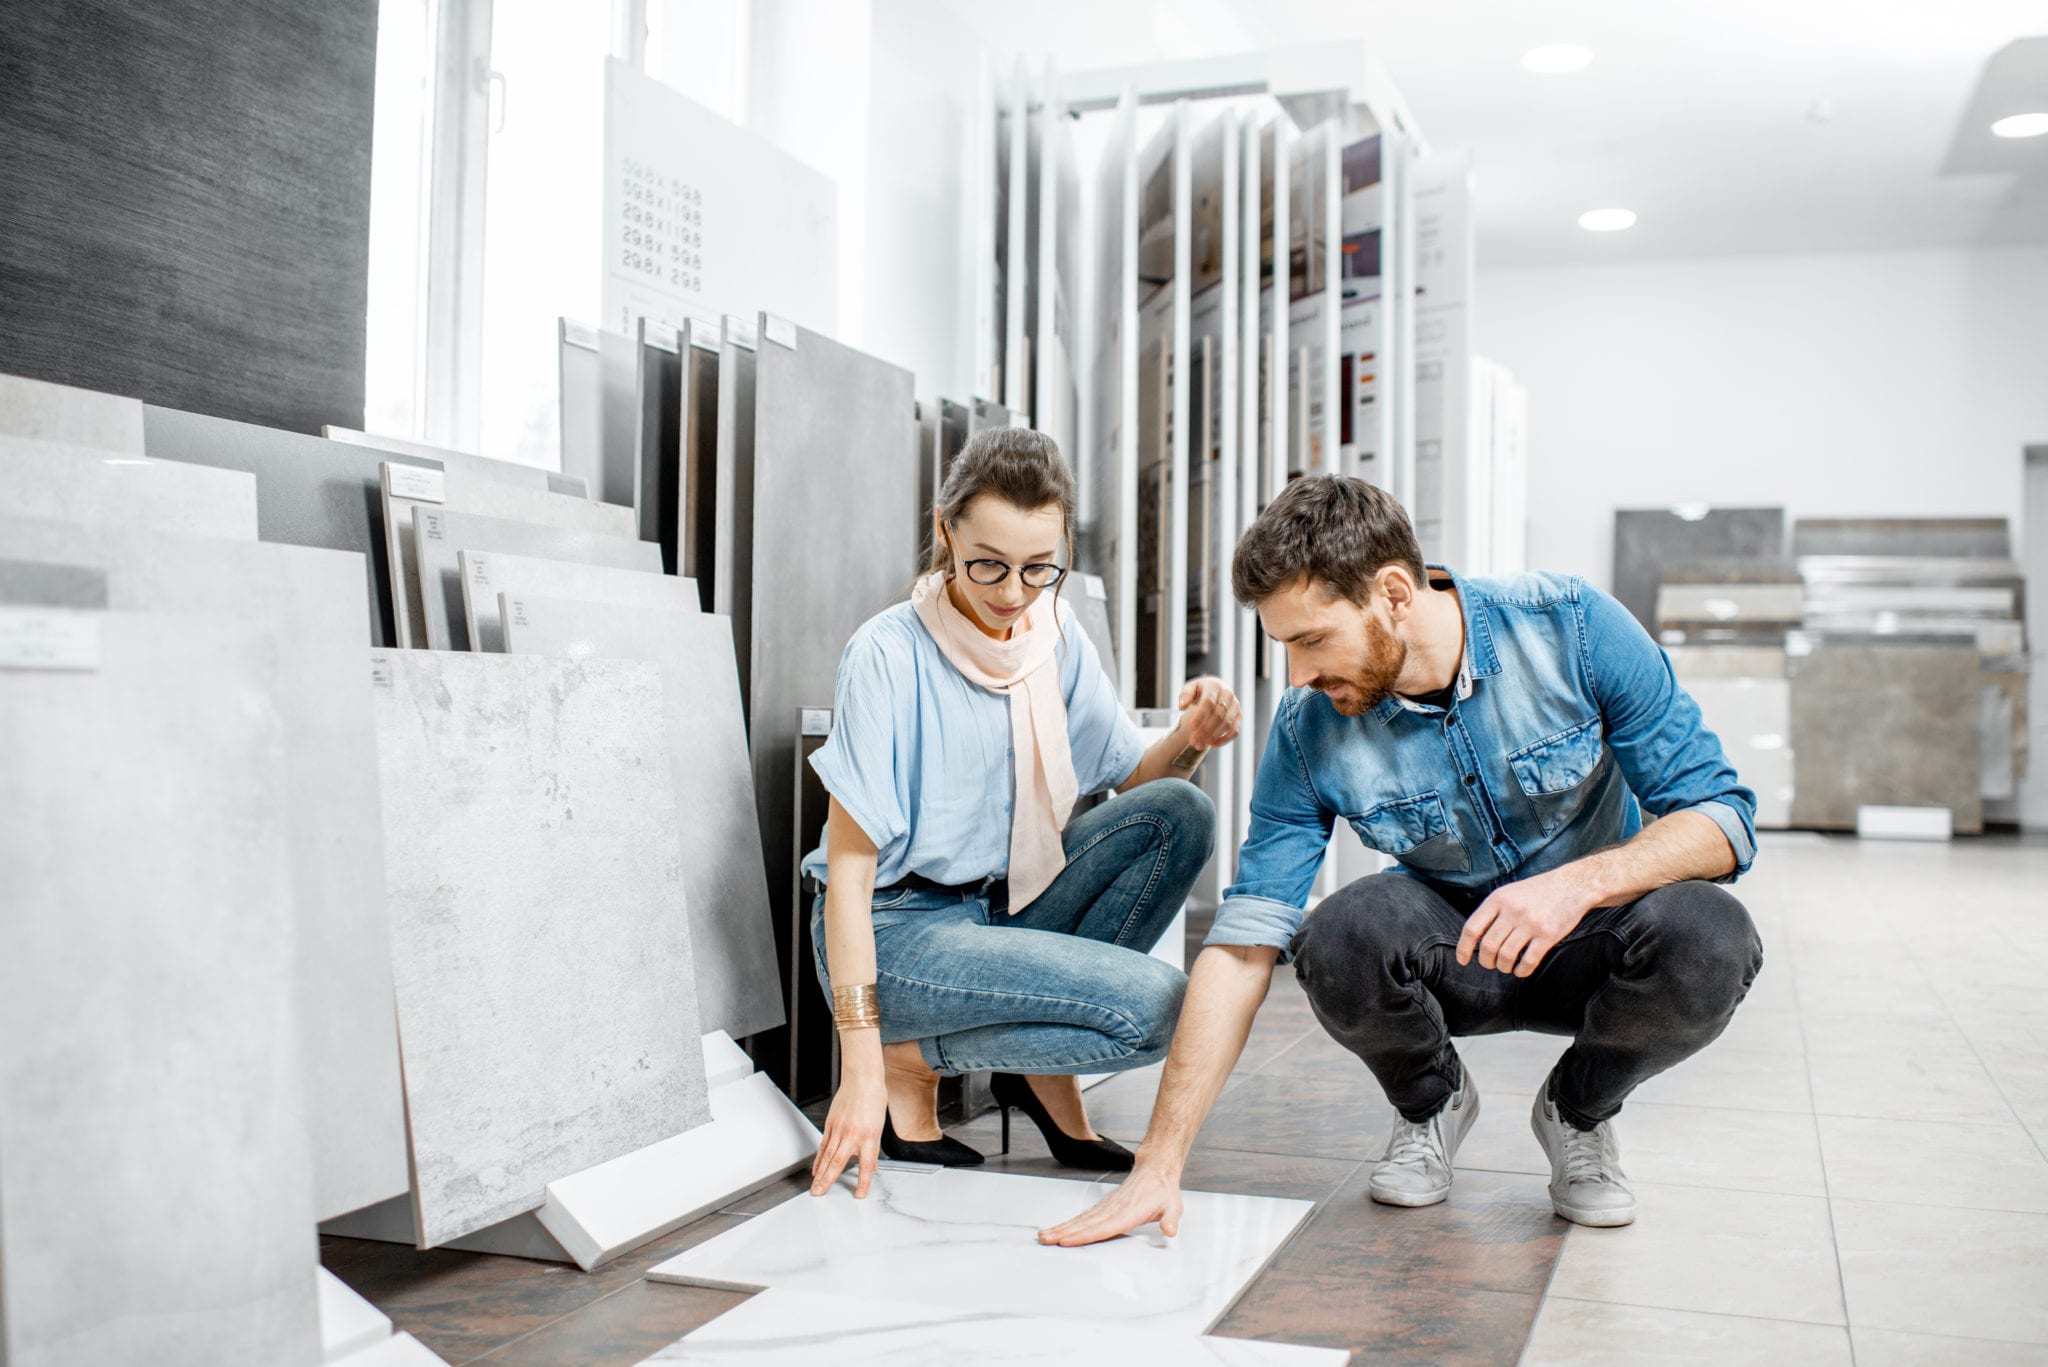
x: 756, y: 1136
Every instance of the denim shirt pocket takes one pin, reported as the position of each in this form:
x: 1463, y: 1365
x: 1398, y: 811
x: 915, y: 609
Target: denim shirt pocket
x: 1416, y: 831
x: 1552, y: 772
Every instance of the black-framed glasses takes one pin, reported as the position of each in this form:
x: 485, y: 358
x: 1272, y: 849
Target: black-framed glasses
x: 1037, y: 575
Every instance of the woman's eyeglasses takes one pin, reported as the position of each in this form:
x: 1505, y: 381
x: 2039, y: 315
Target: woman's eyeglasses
x: 1037, y: 575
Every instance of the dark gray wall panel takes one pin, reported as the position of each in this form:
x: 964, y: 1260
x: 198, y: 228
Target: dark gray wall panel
x: 185, y: 202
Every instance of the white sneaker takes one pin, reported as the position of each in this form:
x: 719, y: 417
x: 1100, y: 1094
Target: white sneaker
x: 1416, y: 1170
x: 1587, y: 1185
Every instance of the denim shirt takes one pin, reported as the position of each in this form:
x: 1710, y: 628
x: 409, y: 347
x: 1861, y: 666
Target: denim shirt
x: 1565, y: 718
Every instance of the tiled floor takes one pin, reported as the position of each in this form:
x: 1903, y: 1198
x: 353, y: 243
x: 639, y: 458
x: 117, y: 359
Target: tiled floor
x: 1854, y: 1173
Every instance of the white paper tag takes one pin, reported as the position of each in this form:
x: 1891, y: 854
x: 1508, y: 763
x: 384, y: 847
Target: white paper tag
x: 579, y: 335
x: 781, y: 331
x: 817, y: 721
x: 659, y: 335
x: 514, y: 611
x: 420, y: 483
x: 1093, y: 583
x: 738, y: 331
x: 382, y: 673
x: 49, y: 638
x: 433, y: 526
x: 479, y: 568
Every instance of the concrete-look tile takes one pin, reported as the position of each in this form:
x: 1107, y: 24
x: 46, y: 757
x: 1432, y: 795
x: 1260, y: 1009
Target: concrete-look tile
x: 1941, y: 1270
x: 1888, y: 1348
x: 1738, y: 1079
x: 1721, y: 1252
x: 1763, y: 1029
x: 1590, y: 1334
x: 1267, y: 1114
x: 1264, y: 1174
x: 1389, y: 1321
x: 1832, y: 1032
x: 1707, y: 1146
x: 620, y: 1329
x: 1934, y: 1163
x: 1913, y: 1085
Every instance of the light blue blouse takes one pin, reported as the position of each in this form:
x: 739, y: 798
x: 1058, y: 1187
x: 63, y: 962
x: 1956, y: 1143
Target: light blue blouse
x: 922, y: 760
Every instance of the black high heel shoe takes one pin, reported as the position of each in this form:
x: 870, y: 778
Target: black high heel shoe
x: 944, y: 1151
x: 1093, y: 1155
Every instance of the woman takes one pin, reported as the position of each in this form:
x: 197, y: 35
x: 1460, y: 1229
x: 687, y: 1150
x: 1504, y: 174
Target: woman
x: 966, y: 924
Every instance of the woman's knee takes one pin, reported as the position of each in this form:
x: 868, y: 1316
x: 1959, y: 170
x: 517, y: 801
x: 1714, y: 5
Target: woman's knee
x: 1153, y: 1003
x: 1186, y: 815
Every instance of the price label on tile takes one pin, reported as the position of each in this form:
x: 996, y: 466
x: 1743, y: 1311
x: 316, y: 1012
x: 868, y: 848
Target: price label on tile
x: 49, y: 638
x: 514, y: 611
x: 739, y: 332
x: 420, y: 483
x: 817, y: 721
x: 382, y: 672
x: 480, y: 570
x: 433, y: 526
x: 781, y: 331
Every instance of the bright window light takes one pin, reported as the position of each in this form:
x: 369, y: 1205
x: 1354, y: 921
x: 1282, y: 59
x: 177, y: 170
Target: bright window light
x: 2021, y: 126
x: 1556, y: 59
x: 1607, y: 220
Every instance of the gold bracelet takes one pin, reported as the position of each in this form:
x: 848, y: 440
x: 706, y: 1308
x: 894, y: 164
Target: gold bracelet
x: 855, y: 1008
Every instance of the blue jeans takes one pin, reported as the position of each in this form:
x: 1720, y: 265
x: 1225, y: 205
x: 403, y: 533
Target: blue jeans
x: 1068, y: 984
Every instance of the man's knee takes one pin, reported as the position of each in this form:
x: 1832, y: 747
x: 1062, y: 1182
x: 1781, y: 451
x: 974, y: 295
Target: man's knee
x: 1355, y: 939
x: 1703, y: 942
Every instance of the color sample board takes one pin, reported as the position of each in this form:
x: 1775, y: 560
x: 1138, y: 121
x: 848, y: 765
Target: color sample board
x: 309, y: 491
x: 309, y: 603
x: 546, y: 995
x: 77, y: 417
x: 440, y: 534
x: 156, y: 1194
x: 487, y: 578
x: 79, y: 484
x: 731, y: 937
x: 968, y: 1240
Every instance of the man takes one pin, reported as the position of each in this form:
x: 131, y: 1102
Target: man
x: 1495, y: 736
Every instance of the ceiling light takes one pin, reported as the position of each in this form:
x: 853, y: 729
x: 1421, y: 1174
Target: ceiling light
x: 1556, y: 59
x: 1607, y: 220
x: 2021, y: 126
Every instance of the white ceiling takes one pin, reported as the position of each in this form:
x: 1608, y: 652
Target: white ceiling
x: 1741, y: 126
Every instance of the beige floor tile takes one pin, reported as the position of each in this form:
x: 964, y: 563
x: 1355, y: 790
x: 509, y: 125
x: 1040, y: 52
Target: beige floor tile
x: 1739, y: 1079
x: 1707, y: 1146
x: 1941, y: 1270
x: 1590, y: 1334
x: 1719, y: 1252
x: 1762, y: 1028
x: 1865, y: 1032
x: 1934, y: 1162
x: 1885, y: 1348
x: 1915, y: 1084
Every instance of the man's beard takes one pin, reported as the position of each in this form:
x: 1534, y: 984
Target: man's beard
x: 1359, y: 693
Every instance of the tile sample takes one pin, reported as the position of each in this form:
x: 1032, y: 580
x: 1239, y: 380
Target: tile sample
x: 1089, y: 599
x: 513, y: 471
x: 780, y: 1328
x: 488, y: 578
x: 348, y: 1323
x: 1986, y: 537
x: 1892, y: 722
x: 34, y: 583
x: 1647, y: 539
x: 739, y: 988
x: 618, y: 374
x: 657, y: 412
x: 546, y: 998
x: 156, y: 1194
x: 732, y: 554
x: 1752, y: 717
x: 969, y: 1240
x: 582, y: 436
x: 43, y: 411
x: 310, y: 604
x: 490, y: 488
x: 697, y: 510
x: 439, y: 533
x: 78, y: 484
x: 309, y: 491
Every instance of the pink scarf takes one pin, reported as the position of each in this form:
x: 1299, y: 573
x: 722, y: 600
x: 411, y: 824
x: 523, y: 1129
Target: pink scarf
x: 1022, y: 668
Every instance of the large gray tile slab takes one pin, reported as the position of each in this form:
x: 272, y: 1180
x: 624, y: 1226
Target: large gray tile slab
x: 439, y: 534
x: 1893, y: 723
x: 697, y: 457
x: 732, y: 939
x: 1089, y: 598
x: 732, y: 546
x: 35, y: 583
x: 546, y: 995
x: 77, y: 417
x: 488, y: 578
x: 79, y: 484
x: 658, y: 410
x: 156, y: 1195
x: 516, y: 471
x: 489, y: 488
x: 617, y: 479
x: 310, y: 604
x: 1975, y: 537
x: 309, y: 491
x: 1647, y: 539
x: 581, y: 405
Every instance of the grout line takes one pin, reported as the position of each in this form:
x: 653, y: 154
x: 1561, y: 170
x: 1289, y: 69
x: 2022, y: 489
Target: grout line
x: 1827, y: 1187
x: 1845, y: 1327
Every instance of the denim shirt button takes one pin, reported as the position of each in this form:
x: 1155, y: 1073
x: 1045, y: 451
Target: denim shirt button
x: 1471, y: 779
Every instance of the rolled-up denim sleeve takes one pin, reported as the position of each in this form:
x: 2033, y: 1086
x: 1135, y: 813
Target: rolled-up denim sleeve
x: 1283, y: 848
x: 1672, y: 761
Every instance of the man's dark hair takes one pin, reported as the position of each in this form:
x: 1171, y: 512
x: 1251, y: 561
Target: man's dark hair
x: 1332, y: 529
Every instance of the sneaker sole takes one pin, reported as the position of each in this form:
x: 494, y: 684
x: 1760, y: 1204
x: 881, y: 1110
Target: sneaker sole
x: 1594, y: 1219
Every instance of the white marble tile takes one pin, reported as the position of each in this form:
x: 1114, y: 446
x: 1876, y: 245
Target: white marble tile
x: 1989, y: 1167
x: 156, y: 1192
x: 311, y: 602
x: 1888, y: 1348
x: 1943, y: 1270
x: 781, y: 1328
x: 76, y: 484
x: 739, y: 986
x: 489, y: 578
x: 1592, y: 1334
x: 970, y: 1240
x: 348, y: 1323
x: 546, y: 1000
x: 438, y: 533
x: 1718, y: 1252
x: 400, y: 1350
x: 79, y: 417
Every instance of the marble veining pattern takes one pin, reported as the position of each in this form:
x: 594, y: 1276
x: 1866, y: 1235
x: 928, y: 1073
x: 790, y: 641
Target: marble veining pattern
x: 781, y: 1328
x: 546, y: 999
x: 970, y: 1240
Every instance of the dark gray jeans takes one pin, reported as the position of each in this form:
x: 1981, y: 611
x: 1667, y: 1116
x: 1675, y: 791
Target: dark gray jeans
x: 1639, y: 988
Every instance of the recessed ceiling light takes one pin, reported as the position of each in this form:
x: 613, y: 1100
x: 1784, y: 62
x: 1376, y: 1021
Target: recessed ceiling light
x: 1556, y: 59
x: 2021, y: 126
x: 1607, y: 220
